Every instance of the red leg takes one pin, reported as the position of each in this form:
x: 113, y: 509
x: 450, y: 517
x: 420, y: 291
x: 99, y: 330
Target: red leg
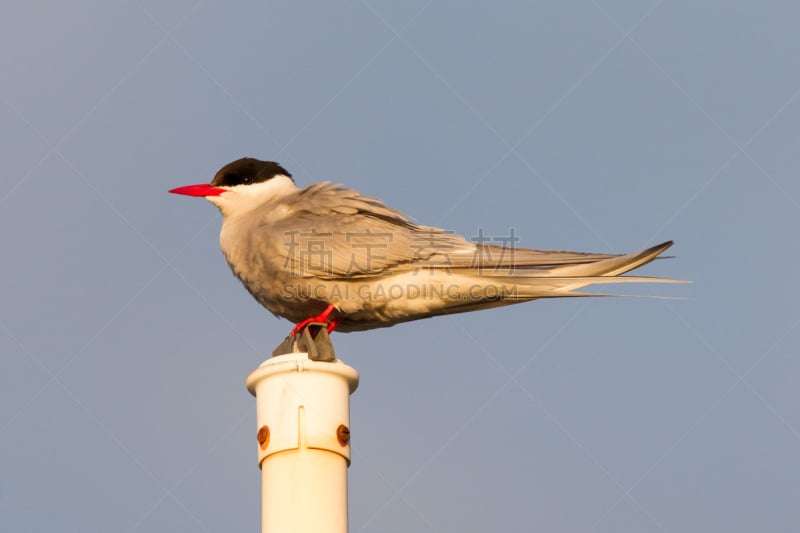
x: 322, y: 317
x: 332, y: 324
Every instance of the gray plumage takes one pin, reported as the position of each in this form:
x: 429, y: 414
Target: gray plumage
x: 299, y: 250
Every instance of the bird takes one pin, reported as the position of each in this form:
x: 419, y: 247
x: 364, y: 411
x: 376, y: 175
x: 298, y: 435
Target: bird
x: 327, y: 254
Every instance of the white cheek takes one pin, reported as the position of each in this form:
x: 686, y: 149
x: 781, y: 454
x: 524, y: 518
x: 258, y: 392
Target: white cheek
x: 216, y: 200
x: 241, y: 199
x: 266, y: 190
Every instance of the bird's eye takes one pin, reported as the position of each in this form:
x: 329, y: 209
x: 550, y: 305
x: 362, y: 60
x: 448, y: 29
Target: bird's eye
x: 247, y: 180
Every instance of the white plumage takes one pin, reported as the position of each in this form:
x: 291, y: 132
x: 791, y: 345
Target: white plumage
x: 327, y: 249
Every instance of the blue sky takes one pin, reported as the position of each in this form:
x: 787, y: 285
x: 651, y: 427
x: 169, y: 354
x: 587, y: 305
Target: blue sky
x: 601, y: 126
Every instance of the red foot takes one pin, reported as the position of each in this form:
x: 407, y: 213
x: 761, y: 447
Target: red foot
x: 322, y: 317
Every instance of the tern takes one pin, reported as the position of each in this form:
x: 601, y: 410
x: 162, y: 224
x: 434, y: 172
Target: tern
x: 326, y: 254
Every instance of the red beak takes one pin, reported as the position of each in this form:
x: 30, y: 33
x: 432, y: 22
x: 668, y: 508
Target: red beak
x: 201, y: 189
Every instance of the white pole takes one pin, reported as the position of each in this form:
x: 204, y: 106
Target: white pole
x: 303, y: 413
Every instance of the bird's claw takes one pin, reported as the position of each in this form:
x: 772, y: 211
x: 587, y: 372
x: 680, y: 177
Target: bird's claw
x: 320, y: 318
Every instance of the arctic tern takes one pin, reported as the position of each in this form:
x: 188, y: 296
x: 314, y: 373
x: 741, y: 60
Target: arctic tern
x: 327, y: 254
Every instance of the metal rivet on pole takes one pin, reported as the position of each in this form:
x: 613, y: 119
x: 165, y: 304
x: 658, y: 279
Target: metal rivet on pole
x: 303, y: 416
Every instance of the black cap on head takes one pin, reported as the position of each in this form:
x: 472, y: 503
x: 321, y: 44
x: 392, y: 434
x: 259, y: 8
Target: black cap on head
x: 248, y: 170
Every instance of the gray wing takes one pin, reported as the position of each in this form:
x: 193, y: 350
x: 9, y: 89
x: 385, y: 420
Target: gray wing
x: 332, y: 232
